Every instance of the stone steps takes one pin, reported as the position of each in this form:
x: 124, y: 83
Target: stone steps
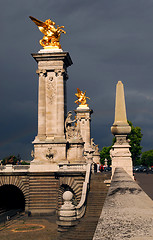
x: 96, y: 197
x: 43, y: 193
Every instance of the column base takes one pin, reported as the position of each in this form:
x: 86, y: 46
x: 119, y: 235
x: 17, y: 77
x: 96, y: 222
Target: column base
x: 49, y: 151
x: 121, y: 155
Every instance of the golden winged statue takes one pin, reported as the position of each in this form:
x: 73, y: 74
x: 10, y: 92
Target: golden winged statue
x: 81, y: 98
x: 51, y: 34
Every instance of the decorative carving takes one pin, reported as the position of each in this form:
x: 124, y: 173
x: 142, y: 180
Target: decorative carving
x: 94, y: 146
x: 51, y: 89
x: 59, y: 72
x: 72, y: 131
x: 41, y: 72
x: 121, y: 140
x: 50, y: 154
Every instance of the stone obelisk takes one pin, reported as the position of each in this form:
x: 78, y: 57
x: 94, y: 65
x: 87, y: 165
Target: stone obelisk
x: 120, y: 153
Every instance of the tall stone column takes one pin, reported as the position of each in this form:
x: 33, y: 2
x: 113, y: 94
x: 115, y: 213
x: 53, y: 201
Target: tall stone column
x: 50, y: 143
x: 120, y: 153
x: 84, y: 124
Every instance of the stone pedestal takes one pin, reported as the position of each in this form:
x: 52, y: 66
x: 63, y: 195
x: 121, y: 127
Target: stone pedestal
x: 67, y: 213
x: 75, y: 151
x: 83, y: 116
x: 50, y: 143
x: 121, y: 155
x: 96, y: 157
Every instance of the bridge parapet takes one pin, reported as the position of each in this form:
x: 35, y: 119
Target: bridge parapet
x: 72, y: 167
x: 63, y: 167
x: 127, y: 211
x: 12, y: 168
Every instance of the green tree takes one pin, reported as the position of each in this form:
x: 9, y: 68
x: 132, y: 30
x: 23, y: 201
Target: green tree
x: 135, y: 138
x: 147, y: 158
x: 104, y: 154
x: 11, y: 160
x: 25, y: 163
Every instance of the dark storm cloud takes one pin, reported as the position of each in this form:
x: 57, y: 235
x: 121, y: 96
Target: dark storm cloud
x: 108, y: 40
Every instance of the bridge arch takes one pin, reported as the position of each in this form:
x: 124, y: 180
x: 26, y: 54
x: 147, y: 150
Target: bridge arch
x: 73, y: 184
x: 11, y: 187
x: 11, y: 197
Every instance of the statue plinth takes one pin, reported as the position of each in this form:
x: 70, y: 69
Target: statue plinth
x: 83, y: 107
x: 50, y: 50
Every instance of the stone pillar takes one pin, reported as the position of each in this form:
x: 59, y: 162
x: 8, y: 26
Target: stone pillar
x: 67, y: 213
x: 120, y: 153
x: 50, y: 143
x: 84, y: 124
x: 41, y: 105
x: 60, y: 103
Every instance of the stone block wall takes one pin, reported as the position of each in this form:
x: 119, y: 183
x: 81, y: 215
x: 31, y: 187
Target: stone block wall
x: 43, y: 190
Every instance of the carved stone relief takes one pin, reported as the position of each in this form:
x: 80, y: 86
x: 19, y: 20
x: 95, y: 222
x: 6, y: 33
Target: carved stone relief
x: 51, y: 89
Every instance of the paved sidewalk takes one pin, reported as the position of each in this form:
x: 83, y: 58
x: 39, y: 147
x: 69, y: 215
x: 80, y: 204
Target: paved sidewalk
x: 40, y: 229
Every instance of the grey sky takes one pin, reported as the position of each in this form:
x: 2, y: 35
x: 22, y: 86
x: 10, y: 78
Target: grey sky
x: 108, y: 40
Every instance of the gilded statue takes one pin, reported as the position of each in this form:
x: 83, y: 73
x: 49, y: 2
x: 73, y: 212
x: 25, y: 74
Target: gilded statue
x: 81, y: 98
x: 51, y: 33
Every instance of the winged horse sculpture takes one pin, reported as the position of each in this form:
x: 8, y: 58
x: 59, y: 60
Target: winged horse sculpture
x: 51, y: 34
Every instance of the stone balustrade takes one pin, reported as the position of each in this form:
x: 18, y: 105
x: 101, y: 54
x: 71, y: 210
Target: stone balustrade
x: 80, y: 208
x: 71, y: 167
x: 69, y: 213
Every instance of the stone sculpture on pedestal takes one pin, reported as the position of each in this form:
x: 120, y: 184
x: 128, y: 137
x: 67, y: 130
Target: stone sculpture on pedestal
x: 120, y: 153
x: 50, y: 143
x: 83, y: 116
x: 60, y: 139
x: 75, y: 144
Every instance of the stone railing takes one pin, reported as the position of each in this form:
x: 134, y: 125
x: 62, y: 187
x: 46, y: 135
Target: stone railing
x: 20, y: 167
x: 127, y: 211
x: 10, y: 167
x: 72, y: 167
x: 80, y: 208
x: 69, y: 214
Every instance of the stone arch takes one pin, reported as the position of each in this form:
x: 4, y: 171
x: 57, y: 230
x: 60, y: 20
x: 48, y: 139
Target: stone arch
x: 62, y: 189
x: 11, y: 198
x: 18, y: 181
x: 73, y: 184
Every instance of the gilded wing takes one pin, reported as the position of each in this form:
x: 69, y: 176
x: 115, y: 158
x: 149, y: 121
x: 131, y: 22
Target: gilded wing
x: 38, y: 22
x: 78, y: 90
x: 78, y: 94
